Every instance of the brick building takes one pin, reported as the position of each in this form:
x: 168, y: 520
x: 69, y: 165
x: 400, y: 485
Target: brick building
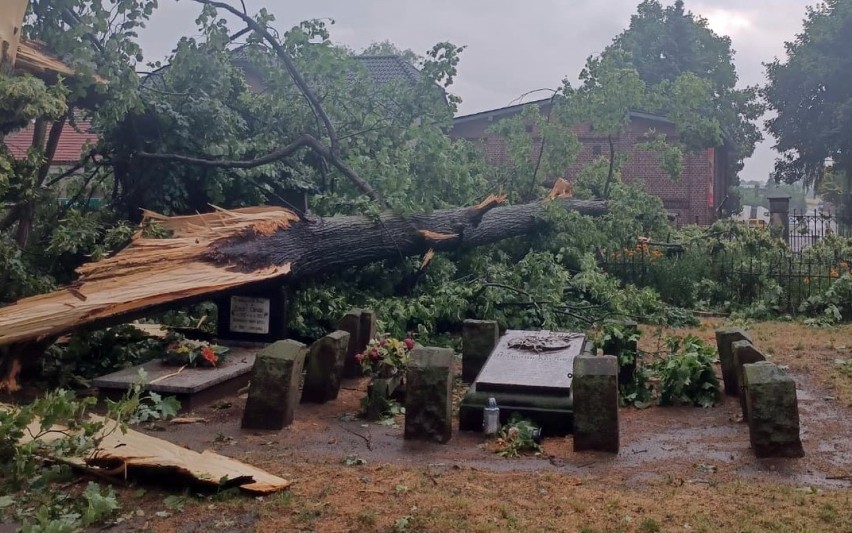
x: 697, y: 198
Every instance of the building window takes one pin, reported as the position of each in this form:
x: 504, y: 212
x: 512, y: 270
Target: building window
x: 596, y: 150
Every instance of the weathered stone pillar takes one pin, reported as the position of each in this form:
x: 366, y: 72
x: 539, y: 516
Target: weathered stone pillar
x: 779, y: 213
x: 595, y: 389
x: 479, y: 337
x: 429, y: 395
x: 325, y: 367
x: 744, y: 354
x: 351, y: 323
x: 773, y: 409
x: 274, y: 390
x: 724, y: 338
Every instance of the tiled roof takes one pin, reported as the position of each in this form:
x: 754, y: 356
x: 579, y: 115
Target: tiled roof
x: 389, y: 69
x: 72, y: 142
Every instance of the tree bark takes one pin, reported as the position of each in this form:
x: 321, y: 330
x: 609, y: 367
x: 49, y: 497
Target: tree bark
x: 330, y: 244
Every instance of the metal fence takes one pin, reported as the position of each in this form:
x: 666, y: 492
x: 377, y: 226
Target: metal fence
x: 808, y: 227
x: 785, y: 279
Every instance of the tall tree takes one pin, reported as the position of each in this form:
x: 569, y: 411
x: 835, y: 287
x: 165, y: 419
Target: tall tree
x: 811, y: 94
x: 691, y: 70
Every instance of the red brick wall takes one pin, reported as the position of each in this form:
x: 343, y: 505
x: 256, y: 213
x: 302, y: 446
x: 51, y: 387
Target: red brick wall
x: 693, y: 197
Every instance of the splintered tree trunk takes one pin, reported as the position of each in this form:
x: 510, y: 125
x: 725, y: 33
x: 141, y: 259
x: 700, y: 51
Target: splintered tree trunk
x: 332, y: 244
x: 216, y: 252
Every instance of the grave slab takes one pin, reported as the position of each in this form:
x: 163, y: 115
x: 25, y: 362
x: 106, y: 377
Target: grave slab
x: 529, y: 373
x: 193, y: 387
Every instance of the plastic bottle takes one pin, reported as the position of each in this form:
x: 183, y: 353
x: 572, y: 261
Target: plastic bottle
x: 491, y: 417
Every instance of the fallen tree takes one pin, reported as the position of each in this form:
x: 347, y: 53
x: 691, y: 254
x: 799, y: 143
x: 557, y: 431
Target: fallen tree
x: 214, y: 252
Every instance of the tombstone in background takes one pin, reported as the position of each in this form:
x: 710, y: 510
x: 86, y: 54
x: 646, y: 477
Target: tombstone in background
x: 724, y: 339
x: 479, y: 338
x: 274, y: 390
x: 773, y: 408
x: 361, y: 326
x: 255, y: 314
x: 324, y: 366
x: 429, y: 395
x: 744, y: 354
x: 596, y: 403
x: 529, y: 373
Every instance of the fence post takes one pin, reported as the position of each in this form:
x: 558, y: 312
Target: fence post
x: 779, y: 212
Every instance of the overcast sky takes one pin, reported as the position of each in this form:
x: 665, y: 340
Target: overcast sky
x: 512, y: 46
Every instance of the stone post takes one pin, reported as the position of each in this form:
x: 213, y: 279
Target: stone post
x: 773, y: 411
x: 479, y: 338
x: 779, y: 212
x: 351, y: 323
x: 429, y: 395
x: 744, y: 354
x: 325, y: 367
x: 595, y: 390
x: 274, y: 390
x: 724, y: 338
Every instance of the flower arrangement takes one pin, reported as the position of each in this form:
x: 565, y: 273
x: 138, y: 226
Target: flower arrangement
x: 181, y: 351
x: 385, y: 356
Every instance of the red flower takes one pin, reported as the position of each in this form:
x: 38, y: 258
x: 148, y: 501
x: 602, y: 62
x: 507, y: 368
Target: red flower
x: 209, y: 355
x: 374, y: 355
x: 383, y: 342
x: 359, y: 357
x: 409, y: 344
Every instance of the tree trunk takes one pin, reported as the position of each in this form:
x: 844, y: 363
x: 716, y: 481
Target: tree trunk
x: 330, y: 244
x: 218, y: 252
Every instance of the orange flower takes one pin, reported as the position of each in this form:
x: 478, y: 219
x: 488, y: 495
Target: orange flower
x: 209, y: 355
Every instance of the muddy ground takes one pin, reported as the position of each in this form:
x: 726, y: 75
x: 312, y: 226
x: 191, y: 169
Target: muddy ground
x: 679, y: 469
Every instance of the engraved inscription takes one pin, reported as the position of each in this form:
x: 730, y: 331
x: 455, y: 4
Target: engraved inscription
x: 249, y: 315
x: 513, y: 368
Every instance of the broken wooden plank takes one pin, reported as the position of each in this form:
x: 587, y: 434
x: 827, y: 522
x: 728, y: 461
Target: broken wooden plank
x: 134, y: 452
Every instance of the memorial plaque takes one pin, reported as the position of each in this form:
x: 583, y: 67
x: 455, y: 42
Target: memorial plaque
x: 531, y: 361
x: 249, y: 315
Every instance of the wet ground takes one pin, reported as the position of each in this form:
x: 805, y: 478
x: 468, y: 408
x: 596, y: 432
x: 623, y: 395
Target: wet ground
x: 674, y: 444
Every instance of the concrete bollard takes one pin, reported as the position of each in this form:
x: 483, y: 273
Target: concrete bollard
x: 724, y: 338
x: 325, y: 362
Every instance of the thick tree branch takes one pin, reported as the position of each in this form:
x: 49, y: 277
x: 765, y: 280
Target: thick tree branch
x: 333, y: 152
x: 304, y: 140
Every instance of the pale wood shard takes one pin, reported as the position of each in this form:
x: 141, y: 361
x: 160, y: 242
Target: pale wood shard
x: 147, y: 273
x: 561, y: 189
x: 134, y: 451
x: 433, y: 236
